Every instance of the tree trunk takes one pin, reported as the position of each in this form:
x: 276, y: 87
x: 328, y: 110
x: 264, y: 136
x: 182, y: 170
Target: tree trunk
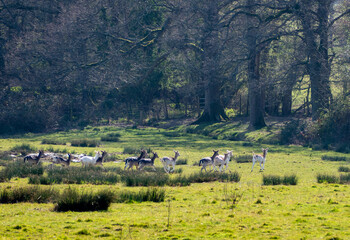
x: 318, y: 65
x: 213, y: 109
x: 255, y: 90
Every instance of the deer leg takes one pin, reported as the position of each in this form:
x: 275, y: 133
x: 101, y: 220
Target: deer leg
x: 253, y: 164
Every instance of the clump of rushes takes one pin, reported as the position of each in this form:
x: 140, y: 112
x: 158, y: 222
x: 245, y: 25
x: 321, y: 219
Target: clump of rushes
x: 345, y: 179
x: 73, y: 200
x: 24, y: 149
x: 327, y: 178
x: 111, y: 137
x: 278, y: 180
x: 85, y: 143
x: 335, y: 158
x: 151, y: 194
x: 20, y: 169
x: 243, y: 158
x: 53, y: 142
x: 343, y: 169
x: 28, y: 194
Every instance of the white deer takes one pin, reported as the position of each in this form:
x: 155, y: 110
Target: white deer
x: 223, y: 160
x: 204, y: 162
x: 88, y: 160
x: 260, y: 159
x: 169, y: 162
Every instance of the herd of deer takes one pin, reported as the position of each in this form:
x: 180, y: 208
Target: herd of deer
x: 142, y: 161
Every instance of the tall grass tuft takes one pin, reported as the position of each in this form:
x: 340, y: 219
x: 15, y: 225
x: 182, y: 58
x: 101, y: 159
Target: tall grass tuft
x: 28, y: 194
x: 85, y: 143
x: 53, y: 142
x: 73, y: 200
x: 24, y: 148
x: 145, y: 179
x: 151, y: 194
x: 243, y: 158
x: 111, y: 137
x: 20, y: 169
x: 278, y: 180
x: 77, y: 175
x: 135, y: 150
x: 335, y: 158
x: 327, y: 178
x: 343, y: 169
x: 344, y: 178
x: 181, y: 162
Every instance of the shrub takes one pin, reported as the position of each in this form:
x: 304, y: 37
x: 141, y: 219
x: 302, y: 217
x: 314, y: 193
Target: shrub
x: 295, y: 132
x: 111, y: 137
x: 277, y: 180
x: 21, y: 169
x: 343, y: 169
x: 326, y: 178
x: 27, y: 194
x: 24, y: 148
x: 150, y: 195
x: 244, y: 158
x: 335, y: 158
x: 53, y: 142
x: 85, y: 143
x: 214, y: 176
x: 72, y: 200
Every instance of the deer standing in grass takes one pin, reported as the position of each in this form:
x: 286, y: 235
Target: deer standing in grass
x: 99, y: 160
x: 222, y: 160
x: 88, y: 160
x: 134, y: 161
x: 146, y: 162
x: 33, y: 159
x: 204, y: 162
x: 260, y: 159
x: 169, y: 162
x: 63, y: 162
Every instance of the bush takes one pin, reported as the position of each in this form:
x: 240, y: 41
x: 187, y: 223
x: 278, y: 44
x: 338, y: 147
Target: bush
x: 150, y: 195
x: 72, y: 200
x: 24, y: 148
x: 53, y: 142
x: 296, y: 132
x: 277, y: 180
x: 343, y: 169
x: 111, y: 137
x: 335, y: 158
x: 20, y: 169
x: 27, y: 194
x: 85, y: 143
x: 244, y: 158
x: 326, y: 178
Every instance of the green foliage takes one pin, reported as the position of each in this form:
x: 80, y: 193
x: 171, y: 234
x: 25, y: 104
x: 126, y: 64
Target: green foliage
x: 73, y: 200
x: 85, y: 143
x: 135, y: 150
x: 150, y: 194
x: 181, y: 162
x: 296, y: 132
x: 27, y: 194
x: 20, y: 169
x: 278, y: 180
x: 24, y: 148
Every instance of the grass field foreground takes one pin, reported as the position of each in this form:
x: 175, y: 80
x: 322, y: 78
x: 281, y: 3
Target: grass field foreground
x: 215, y: 210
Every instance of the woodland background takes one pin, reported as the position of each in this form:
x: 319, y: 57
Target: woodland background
x: 72, y: 63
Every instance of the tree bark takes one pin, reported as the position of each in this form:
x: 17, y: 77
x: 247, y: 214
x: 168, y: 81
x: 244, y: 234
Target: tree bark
x: 317, y: 50
x: 255, y: 89
x: 213, y: 109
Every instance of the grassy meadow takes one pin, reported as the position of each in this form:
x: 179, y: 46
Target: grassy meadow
x: 212, y: 210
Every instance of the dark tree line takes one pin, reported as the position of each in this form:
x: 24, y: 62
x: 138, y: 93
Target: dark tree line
x: 78, y: 62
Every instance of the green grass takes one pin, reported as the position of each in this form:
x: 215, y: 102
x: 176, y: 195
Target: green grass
x: 200, y: 210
